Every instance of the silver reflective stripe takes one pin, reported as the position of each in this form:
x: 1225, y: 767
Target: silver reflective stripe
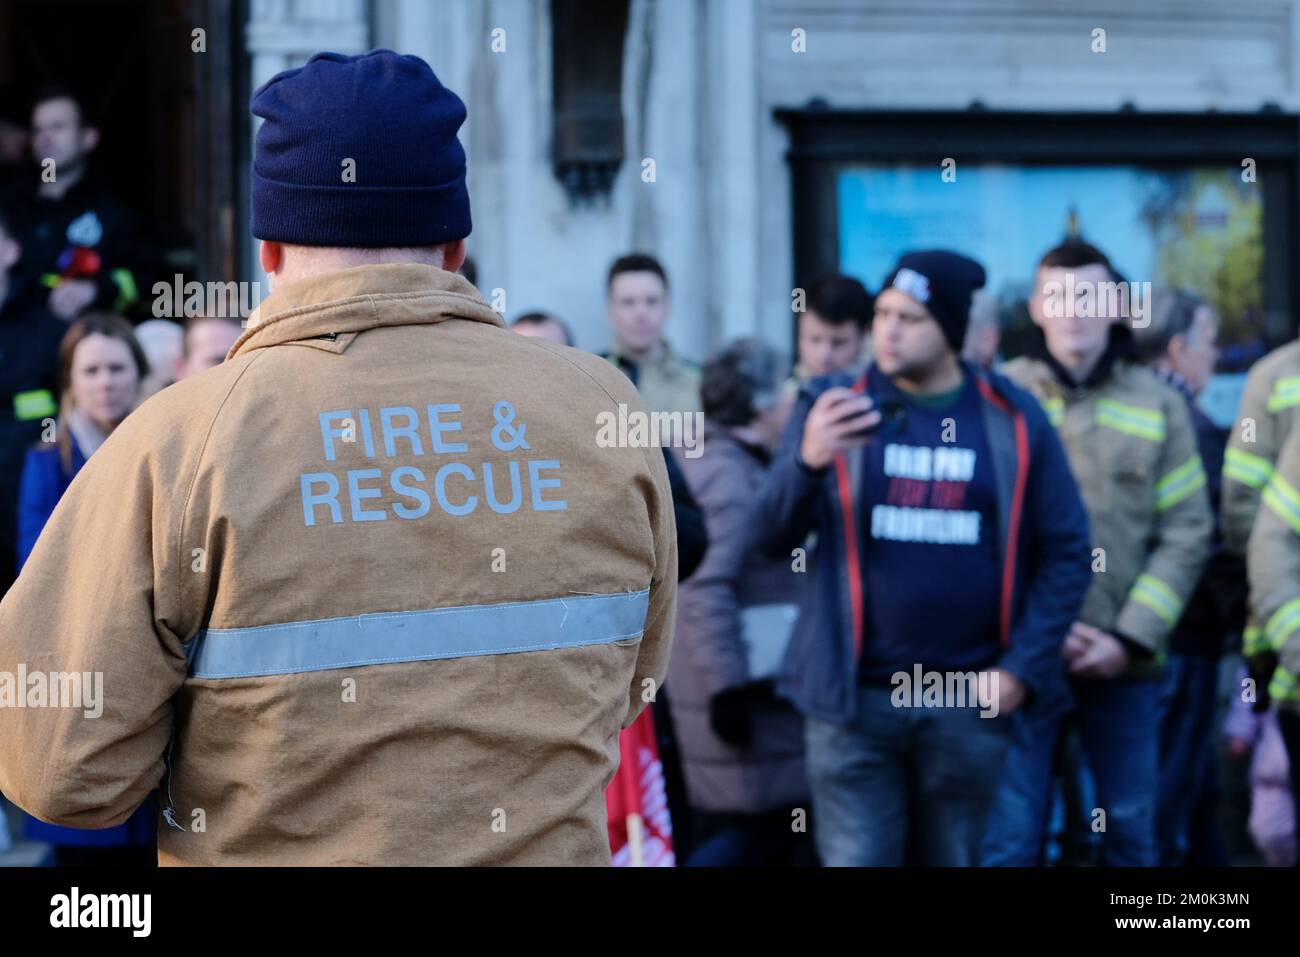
x: 393, y: 637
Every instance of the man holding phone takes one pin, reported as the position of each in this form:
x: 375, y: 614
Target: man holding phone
x: 952, y: 552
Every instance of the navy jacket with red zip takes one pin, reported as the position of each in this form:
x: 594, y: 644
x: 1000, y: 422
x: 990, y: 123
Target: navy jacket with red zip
x: 1043, y: 546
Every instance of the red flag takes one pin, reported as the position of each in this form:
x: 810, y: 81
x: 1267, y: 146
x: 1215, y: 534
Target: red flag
x: 640, y: 830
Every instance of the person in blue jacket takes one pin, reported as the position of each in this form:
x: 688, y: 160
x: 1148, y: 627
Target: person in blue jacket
x: 100, y: 369
x: 951, y: 555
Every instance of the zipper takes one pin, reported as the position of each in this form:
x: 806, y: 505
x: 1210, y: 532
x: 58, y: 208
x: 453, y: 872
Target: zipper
x: 169, y: 812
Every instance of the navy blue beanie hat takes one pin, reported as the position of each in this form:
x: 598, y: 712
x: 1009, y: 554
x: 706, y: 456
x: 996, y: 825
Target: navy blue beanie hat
x: 943, y: 282
x: 391, y: 117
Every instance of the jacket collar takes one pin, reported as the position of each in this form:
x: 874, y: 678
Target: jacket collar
x: 341, y: 304
x: 1172, y: 378
x: 664, y: 360
x: 1119, y: 346
x: 84, y: 190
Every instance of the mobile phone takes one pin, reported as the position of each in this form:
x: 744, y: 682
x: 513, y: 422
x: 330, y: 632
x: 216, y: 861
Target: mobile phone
x: 892, y: 411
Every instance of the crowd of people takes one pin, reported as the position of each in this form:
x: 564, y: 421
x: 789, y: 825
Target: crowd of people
x: 77, y: 355
x: 1068, y: 527
x: 889, y: 508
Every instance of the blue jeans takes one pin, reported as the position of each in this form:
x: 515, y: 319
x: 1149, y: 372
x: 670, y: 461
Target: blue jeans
x: 5, y: 841
x: 1118, y: 724
x: 902, y: 785
x: 1188, y: 788
x: 767, y: 839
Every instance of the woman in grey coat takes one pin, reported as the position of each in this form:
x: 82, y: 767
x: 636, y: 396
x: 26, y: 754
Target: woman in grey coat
x: 741, y: 745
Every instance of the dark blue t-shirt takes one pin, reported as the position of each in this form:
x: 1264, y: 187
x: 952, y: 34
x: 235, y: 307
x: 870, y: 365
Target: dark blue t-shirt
x: 930, y: 526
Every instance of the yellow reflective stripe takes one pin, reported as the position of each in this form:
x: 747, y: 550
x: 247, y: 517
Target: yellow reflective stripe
x: 1281, y: 509
x: 1054, y: 406
x: 1180, y: 483
x: 1131, y: 420
x: 1248, y: 469
x: 1286, y: 393
x: 127, y: 292
x: 1252, y: 641
x: 1282, y: 625
x: 34, y: 404
x: 1159, y: 597
x: 1283, y: 500
x: 1284, y: 686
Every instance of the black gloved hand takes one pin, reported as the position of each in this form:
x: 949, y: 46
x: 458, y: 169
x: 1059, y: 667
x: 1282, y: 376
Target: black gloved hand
x: 731, y: 711
x: 731, y: 716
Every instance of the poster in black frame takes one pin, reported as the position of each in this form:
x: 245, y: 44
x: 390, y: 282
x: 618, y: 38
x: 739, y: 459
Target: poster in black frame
x: 824, y: 142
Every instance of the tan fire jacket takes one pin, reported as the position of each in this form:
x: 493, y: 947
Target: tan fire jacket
x: 1270, y: 404
x: 1273, y: 564
x: 371, y: 589
x: 1133, y: 452
x: 667, y: 383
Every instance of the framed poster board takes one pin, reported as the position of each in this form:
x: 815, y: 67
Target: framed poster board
x: 1204, y: 202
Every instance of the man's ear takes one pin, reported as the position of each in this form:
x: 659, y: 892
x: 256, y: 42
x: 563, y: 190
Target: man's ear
x: 453, y: 255
x: 271, y: 255
x: 89, y: 139
x: 1036, y: 300
x: 1048, y: 290
x: 1177, y: 346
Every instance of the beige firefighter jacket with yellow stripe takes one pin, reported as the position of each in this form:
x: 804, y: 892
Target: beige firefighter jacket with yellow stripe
x: 1269, y: 406
x: 1270, y: 403
x: 371, y: 589
x: 1273, y: 564
x: 1133, y: 452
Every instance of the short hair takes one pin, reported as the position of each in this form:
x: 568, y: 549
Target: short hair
x: 62, y: 91
x: 741, y: 380
x: 1172, y: 313
x: 838, y: 299
x: 635, y: 262
x: 538, y: 318
x: 1075, y: 254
